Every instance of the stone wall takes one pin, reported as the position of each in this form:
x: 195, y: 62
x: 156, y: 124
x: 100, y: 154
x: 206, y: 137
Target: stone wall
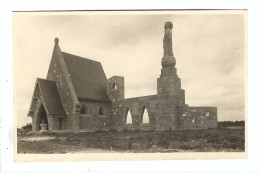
x: 136, y: 106
x: 116, y: 88
x: 164, y: 114
x: 35, y: 116
x: 54, y: 122
x: 199, y: 118
x: 169, y: 110
x: 96, y: 115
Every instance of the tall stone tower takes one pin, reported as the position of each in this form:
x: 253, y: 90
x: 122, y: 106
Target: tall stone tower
x: 116, y: 88
x: 171, y: 98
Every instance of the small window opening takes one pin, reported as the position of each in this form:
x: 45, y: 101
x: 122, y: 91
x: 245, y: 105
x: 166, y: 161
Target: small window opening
x: 83, y: 109
x: 193, y: 121
x: 100, y: 112
x: 183, y: 115
x: 114, y: 86
x: 207, y: 114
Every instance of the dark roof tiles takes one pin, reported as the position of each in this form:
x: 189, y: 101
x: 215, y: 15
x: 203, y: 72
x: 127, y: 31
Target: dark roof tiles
x: 88, y: 77
x: 51, y: 97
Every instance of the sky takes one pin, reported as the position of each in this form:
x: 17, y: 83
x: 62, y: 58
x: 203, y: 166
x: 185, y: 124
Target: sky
x: 209, y: 48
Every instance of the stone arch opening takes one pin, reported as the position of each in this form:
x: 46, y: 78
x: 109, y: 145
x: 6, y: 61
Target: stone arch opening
x: 83, y: 109
x: 114, y: 86
x: 129, y: 119
x: 42, y: 118
x: 145, y: 116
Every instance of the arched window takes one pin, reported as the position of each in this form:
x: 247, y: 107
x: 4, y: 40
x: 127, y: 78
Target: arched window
x: 100, y: 112
x: 83, y: 109
x: 145, y: 116
x: 128, y: 117
x: 114, y: 86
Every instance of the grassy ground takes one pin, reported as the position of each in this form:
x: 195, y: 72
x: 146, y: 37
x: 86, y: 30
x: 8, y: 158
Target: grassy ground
x: 211, y: 140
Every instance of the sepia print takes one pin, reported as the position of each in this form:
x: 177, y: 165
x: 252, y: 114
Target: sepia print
x: 130, y: 85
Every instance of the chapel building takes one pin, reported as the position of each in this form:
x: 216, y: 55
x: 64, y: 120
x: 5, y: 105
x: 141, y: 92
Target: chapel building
x: 77, y: 96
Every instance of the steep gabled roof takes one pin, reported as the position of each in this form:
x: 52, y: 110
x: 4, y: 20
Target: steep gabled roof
x: 88, y: 77
x: 51, y: 97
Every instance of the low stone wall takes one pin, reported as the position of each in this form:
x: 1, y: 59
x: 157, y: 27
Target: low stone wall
x: 178, y: 118
x: 199, y: 118
x: 136, y: 106
x: 141, y: 127
x: 93, y: 122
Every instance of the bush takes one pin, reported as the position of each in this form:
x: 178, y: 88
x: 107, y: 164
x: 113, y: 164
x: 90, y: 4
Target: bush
x: 224, y: 124
x: 27, y: 126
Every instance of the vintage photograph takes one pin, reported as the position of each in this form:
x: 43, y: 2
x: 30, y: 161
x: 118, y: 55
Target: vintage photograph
x: 133, y: 82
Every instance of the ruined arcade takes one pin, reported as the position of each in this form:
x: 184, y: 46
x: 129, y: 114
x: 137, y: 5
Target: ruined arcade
x: 77, y: 96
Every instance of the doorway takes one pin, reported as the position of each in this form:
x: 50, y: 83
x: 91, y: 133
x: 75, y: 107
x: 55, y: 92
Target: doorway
x: 42, y: 118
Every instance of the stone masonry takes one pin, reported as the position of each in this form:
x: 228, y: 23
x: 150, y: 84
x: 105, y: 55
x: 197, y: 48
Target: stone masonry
x: 76, y: 96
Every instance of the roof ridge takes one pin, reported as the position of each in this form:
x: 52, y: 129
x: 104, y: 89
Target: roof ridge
x: 81, y: 57
x: 46, y: 79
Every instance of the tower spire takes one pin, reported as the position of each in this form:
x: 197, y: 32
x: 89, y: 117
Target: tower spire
x: 168, y: 58
x: 56, y: 41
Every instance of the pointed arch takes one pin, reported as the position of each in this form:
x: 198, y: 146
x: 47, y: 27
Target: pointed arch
x: 145, y: 116
x: 129, y: 118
